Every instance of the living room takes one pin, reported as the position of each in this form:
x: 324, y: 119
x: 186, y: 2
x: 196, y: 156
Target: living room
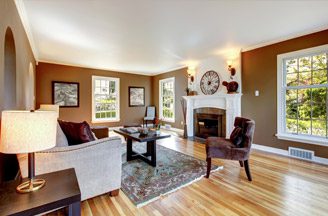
x: 163, y: 107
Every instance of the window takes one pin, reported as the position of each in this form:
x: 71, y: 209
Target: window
x: 105, y: 99
x: 167, y: 99
x: 302, y: 96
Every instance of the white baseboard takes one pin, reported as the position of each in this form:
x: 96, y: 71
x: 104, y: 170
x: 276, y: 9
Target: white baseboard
x: 176, y: 130
x: 283, y: 152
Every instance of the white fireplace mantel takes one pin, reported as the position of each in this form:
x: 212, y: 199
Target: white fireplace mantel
x: 231, y: 103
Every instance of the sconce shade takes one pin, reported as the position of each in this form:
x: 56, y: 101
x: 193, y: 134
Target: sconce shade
x: 26, y: 132
x: 229, y: 62
x: 50, y: 107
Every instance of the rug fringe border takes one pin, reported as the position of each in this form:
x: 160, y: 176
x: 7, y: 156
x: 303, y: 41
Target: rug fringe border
x: 175, y: 189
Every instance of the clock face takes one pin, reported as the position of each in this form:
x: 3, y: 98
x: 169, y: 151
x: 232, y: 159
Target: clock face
x: 210, y: 82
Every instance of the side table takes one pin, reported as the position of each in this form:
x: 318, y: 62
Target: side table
x: 61, y: 189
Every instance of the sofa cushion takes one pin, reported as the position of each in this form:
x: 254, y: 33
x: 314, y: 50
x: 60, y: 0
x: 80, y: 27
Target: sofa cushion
x: 236, y: 136
x: 61, y: 140
x: 76, y: 133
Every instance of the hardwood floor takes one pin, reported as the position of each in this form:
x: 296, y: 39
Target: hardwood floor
x: 280, y: 186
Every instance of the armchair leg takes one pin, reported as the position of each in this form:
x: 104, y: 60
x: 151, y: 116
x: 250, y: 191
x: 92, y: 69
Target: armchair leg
x: 209, y: 162
x: 248, y: 172
x: 241, y: 163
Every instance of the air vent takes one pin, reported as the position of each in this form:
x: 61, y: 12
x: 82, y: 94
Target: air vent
x: 301, y: 153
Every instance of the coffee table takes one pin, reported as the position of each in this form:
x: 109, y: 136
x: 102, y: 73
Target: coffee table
x: 150, y: 155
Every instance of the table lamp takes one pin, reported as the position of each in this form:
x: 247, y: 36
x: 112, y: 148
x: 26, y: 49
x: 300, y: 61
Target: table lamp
x: 28, y: 132
x: 50, y: 107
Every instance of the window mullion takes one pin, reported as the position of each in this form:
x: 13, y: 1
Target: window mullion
x: 298, y: 75
x: 326, y: 96
x: 311, y: 97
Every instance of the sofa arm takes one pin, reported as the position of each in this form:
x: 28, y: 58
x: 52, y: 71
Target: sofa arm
x: 97, y: 164
x: 100, y: 131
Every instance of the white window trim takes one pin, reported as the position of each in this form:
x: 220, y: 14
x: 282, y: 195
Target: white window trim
x: 172, y: 120
x: 281, y: 133
x: 117, y: 82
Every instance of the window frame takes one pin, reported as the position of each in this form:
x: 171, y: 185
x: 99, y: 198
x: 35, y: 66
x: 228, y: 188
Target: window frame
x: 161, y: 82
x: 281, y: 97
x: 117, y: 86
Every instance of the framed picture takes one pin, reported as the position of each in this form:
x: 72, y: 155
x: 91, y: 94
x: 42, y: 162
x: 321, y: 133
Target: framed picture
x: 136, y: 96
x: 66, y: 94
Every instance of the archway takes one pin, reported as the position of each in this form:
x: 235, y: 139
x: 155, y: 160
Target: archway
x: 30, y: 89
x: 8, y: 162
x: 9, y: 101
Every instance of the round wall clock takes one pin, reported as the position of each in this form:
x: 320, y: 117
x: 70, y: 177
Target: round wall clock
x: 210, y: 82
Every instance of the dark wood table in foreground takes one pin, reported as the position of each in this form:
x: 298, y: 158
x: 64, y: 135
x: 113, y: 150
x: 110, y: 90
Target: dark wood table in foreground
x: 61, y: 189
x: 151, y: 145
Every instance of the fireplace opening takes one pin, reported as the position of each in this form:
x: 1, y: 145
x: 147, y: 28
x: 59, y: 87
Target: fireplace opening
x: 209, y: 122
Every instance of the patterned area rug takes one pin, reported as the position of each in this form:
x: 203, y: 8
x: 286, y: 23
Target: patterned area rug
x: 143, y: 183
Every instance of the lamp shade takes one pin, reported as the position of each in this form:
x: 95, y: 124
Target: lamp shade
x: 26, y: 132
x: 50, y: 107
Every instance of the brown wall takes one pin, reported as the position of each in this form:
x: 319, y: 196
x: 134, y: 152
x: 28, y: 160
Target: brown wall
x: 259, y: 72
x: 46, y: 73
x: 9, y: 18
x: 181, y: 83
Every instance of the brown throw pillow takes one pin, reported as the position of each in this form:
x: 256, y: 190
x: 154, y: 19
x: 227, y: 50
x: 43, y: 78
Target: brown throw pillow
x: 236, y: 137
x: 76, y: 133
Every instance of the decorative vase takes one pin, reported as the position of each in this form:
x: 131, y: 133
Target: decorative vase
x: 232, y: 86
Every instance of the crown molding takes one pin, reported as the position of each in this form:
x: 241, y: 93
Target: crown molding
x: 23, y: 16
x: 288, y: 37
x: 96, y: 68
x: 107, y: 69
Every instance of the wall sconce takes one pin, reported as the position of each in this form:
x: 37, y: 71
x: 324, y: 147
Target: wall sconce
x: 231, y: 69
x: 191, y: 73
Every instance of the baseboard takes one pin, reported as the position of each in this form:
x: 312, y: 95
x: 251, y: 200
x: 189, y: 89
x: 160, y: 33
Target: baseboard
x: 176, y: 130
x: 283, y: 152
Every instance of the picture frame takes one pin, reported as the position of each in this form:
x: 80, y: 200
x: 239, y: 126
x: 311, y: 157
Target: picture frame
x: 66, y: 94
x: 136, y: 96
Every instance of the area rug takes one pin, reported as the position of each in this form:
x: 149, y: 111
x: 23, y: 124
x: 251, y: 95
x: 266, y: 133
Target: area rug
x: 143, y: 183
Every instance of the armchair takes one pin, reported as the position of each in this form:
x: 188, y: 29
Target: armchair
x: 218, y: 147
x: 150, y: 115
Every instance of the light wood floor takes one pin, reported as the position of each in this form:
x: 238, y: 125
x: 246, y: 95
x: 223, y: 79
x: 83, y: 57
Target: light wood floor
x: 280, y: 186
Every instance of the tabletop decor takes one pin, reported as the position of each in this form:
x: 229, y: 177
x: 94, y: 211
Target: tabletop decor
x: 28, y: 132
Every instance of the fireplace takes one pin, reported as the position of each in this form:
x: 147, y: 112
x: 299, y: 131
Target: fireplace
x: 230, y: 103
x: 209, y: 122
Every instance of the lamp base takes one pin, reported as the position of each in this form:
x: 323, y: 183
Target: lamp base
x: 30, y: 185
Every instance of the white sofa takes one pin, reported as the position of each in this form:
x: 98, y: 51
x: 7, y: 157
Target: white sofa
x: 98, y: 164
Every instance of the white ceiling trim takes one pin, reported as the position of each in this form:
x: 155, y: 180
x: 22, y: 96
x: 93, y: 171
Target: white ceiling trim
x: 23, y: 16
x: 285, y: 38
x: 106, y: 69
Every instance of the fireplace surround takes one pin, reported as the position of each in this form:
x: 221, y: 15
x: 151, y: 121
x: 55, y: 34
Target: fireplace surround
x: 230, y: 103
x: 209, y: 122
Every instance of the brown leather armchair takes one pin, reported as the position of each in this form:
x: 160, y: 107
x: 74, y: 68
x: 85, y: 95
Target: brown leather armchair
x: 236, y: 148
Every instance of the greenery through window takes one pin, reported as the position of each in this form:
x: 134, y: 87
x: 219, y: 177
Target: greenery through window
x: 306, y: 95
x: 167, y: 99
x: 105, y: 98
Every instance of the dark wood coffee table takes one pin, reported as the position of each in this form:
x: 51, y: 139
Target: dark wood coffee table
x: 61, y: 189
x: 151, y: 145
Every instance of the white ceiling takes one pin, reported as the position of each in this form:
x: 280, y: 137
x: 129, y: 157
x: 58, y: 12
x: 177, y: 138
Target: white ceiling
x: 154, y: 36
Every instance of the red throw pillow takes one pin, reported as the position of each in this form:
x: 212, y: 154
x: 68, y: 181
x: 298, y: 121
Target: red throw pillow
x: 236, y: 136
x: 76, y: 133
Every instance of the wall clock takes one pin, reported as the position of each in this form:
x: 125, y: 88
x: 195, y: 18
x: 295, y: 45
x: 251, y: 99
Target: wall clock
x: 210, y: 82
